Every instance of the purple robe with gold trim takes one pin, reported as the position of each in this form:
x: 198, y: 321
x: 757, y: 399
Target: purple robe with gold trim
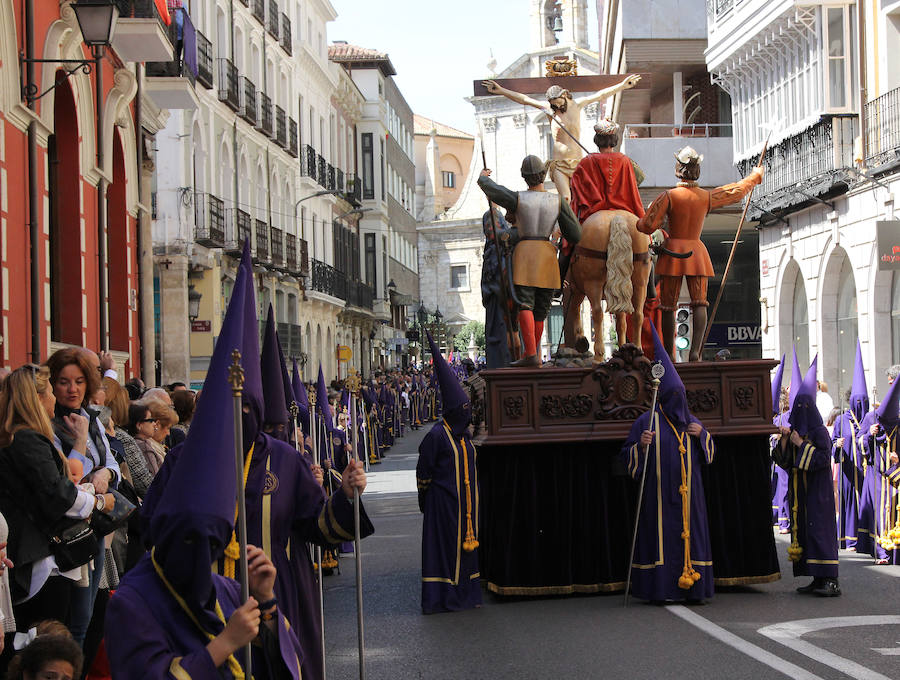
x: 659, y: 556
x: 885, y: 477
x: 851, y: 460
x: 780, y: 509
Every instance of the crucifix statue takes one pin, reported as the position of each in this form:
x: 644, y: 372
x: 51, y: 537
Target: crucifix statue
x: 566, y: 111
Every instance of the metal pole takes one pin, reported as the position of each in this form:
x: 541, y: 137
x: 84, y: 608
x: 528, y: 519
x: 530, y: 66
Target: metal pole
x: 102, y: 283
x: 353, y: 384
x: 236, y: 378
x: 657, y: 372
x: 313, y: 422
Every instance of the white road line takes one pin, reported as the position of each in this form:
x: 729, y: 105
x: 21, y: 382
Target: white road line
x: 887, y: 651
x: 753, y: 651
x: 790, y: 632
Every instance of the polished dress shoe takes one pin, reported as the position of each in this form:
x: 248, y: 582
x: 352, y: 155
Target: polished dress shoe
x: 828, y: 588
x: 810, y: 588
x: 527, y: 362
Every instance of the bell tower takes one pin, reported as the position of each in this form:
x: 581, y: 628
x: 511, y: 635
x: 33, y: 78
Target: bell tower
x: 558, y: 22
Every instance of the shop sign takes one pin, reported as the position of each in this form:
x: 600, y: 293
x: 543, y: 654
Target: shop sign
x: 735, y: 335
x: 887, y: 235
x: 198, y: 326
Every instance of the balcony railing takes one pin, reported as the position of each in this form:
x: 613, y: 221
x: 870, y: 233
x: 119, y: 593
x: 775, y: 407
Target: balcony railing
x: 273, y: 24
x: 286, y: 35
x: 209, y: 220
x: 339, y: 180
x: 293, y: 137
x: 280, y: 127
x: 242, y: 232
x: 264, y: 124
x: 308, y: 165
x: 259, y: 10
x: 229, y: 84
x: 354, y: 189
x: 882, y: 117
x: 331, y: 178
x: 804, y: 167
x: 303, y: 258
x: 328, y: 280
x: 248, y: 105
x: 262, y: 241
x: 140, y: 9
x: 290, y: 252
x: 290, y: 336
x: 183, y: 65
x: 277, y: 237
x: 321, y: 172
x: 360, y: 295
x: 204, y: 61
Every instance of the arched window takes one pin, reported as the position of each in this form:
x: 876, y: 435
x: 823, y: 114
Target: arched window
x: 846, y: 326
x: 800, y: 322
x: 279, y: 306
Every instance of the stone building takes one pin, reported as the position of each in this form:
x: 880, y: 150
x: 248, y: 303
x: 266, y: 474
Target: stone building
x: 443, y: 156
x: 825, y: 211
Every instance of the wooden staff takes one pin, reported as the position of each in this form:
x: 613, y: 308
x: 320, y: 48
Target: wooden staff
x: 236, y: 380
x: 353, y: 383
x: 737, y: 236
x: 656, y: 372
x: 311, y: 396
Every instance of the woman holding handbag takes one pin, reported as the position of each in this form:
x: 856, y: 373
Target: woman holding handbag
x: 39, y: 499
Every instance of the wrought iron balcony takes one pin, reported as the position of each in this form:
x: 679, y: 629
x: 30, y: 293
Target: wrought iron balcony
x: 264, y: 124
x: 280, y: 127
x: 882, y: 118
x: 229, y: 87
x: 204, y: 61
x: 262, y: 241
x: 308, y: 164
x: 170, y: 84
x: 293, y: 137
x: 339, y: 180
x: 804, y: 168
x: 248, y: 105
x: 354, y: 189
x: 331, y: 178
x: 277, y: 238
x: 303, y: 258
x: 141, y: 33
x: 290, y: 253
x: 360, y: 295
x: 290, y: 336
x: 286, y: 35
x: 272, y: 25
x: 259, y: 10
x: 209, y: 220
x: 321, y: 171
x: 328, y: 280
x: 242, y: 232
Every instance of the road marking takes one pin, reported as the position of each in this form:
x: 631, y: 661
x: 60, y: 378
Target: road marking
x: 887, y: 651
x: 790, y: 632
x: 753, y: 651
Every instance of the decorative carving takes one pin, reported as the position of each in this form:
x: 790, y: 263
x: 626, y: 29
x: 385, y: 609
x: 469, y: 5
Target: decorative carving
x: 624, y: 384
x: 519, y: 120
x: 490, y: 124
x: 561, y: 67
x: 745, y: 397
x: 566, y: 406
x: 514, y: 407
x: 704, y: 399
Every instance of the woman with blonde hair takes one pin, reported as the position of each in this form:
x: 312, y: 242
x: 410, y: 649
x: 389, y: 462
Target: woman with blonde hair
x: 37, y: 494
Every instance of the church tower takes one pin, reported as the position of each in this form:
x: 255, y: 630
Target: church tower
x: 558, y: 22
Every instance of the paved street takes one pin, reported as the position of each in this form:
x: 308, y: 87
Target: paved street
x: 747, y: 632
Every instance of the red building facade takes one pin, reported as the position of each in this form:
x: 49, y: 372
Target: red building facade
x: 55, y: 203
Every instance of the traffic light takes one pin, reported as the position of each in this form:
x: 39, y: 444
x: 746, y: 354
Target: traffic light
x: 683, y: 328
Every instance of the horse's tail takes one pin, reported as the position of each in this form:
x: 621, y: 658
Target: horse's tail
x: 619, y: 267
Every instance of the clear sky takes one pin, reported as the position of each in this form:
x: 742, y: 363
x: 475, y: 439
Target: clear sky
x: 439, y: 48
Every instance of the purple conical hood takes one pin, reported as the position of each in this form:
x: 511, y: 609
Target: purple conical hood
x: 888, y: 413
x: 322, y: 401
x: 796, y: 380
x: 776, y: 387
x: 804, y: 416
x: 253, y: 389
x: 194, y: 517
x: 276, y: 412
x: 301, y: 398
x: 672, y: 397
x: 452, y: 394
x: 859, y: 393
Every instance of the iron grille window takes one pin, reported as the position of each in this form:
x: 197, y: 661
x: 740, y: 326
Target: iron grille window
x: 280, y: 127
x: 293, y: 137
x: 368, y: 166
x: 229, y: 91
x: 265, y: 114
x: 262, y: 240
x: 286, y: 35
x: 204, y: 61
x: 272, y: 25
x: 249, y: 107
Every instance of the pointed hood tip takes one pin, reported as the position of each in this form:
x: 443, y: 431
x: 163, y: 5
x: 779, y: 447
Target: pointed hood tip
x: 272, y: 367
x: 672, y: 395
x: 452, y: 394
x: 796, y: 379
x: 776, y: 387
x: 888, y: 412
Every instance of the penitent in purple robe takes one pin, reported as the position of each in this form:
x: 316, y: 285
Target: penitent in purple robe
x: 850, y: 458
x: 450, y: 576
x: 882, y: 479
x: 659, y: 556
x: 780, y: 510
x: 148, y: 635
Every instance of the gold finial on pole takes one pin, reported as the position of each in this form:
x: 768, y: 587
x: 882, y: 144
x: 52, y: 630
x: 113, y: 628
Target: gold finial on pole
x: 236, y: 374
x: 311, y: 395
x: 294, y: 410
x: 353, y: 381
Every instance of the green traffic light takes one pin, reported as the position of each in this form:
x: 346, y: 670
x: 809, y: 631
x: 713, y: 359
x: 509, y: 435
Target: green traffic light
x: 682, y: 342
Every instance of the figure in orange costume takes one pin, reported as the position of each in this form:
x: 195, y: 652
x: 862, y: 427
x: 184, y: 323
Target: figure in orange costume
x: 686, y: 207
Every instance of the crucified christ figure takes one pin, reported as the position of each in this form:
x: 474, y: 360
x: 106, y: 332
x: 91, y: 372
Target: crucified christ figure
x: 566, y: 153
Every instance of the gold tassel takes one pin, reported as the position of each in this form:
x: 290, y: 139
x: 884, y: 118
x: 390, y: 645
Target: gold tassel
x: 470, y: 542
x: 794, y: 550
x: 233, y: 549
x: 689, y: 576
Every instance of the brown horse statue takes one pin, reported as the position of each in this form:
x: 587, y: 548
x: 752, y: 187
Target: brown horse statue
x: 611, y: 261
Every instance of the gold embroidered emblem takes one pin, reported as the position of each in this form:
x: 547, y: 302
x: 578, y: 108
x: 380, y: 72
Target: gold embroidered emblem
x: 336, y: 441
x: 271, y: 484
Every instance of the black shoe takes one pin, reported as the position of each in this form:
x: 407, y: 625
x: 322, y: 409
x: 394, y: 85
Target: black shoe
x: 811, y: 587
x: 828, y: 588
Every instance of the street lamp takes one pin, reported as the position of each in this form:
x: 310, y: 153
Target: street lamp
x: 193, y: 303
x: 97, y: 21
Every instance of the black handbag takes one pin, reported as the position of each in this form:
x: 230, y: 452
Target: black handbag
x: 104, y: 523
x: 73, y: 544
